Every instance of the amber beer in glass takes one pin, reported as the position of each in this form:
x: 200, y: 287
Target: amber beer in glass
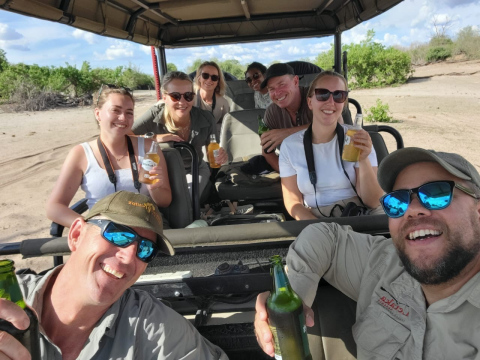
x: 286, y: 318
x: 150, y: 160
x: 213, y: 152
x: 350, y: 152
x: 10, y: 290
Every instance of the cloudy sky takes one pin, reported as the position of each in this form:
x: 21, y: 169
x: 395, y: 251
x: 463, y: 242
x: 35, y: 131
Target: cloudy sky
x: 46, y: 43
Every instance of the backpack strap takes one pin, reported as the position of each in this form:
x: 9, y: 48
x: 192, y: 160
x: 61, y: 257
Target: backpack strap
x: 107, y: 163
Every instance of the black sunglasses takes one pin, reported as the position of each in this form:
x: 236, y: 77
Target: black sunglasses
x: 255, y: 76
x: 111, y: 86
x: 435, y: 195
x: 122, y: 236
x: 176, y: 96
x: 205, y: 76
x: 339, y: 96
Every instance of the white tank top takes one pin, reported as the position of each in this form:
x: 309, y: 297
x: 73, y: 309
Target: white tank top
x: 95, y: 181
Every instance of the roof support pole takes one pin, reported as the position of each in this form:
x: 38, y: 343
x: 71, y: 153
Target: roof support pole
x: 337, y: 44
x: 162, y: 58
x: 155, y: 72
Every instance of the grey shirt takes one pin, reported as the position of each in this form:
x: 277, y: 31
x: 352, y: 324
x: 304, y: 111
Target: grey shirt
x: 392, y: 319
x: 136, y: 326
x: 201, y: 126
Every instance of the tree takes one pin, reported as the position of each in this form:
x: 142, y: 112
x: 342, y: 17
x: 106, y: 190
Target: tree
x: 3, y: 60
x: 171, y: 67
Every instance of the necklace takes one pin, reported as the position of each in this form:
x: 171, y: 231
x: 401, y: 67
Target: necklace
x: 121, y: 157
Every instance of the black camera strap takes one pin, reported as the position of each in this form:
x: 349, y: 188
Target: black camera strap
x: 308, y: 147
x: 109, y: 168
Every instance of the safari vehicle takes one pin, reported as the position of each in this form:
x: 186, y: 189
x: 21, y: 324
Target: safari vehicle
x: 219, y: 270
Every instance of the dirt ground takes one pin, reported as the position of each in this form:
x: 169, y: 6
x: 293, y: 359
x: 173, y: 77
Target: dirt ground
x: 438, y: 109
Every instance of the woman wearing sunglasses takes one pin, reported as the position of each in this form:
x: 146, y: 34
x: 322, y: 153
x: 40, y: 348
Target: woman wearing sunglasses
x: 174, y: 118
x: 254, y: 76
x: 109, y: 163
x: 210, y: 88
x: 336, y: 185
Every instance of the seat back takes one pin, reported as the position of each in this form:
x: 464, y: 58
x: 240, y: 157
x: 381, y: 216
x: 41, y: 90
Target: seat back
x: 239, y: 135
x: 179, y: 212
x: 379, y: 142
x: 240, y: 94
x: 306, y: 80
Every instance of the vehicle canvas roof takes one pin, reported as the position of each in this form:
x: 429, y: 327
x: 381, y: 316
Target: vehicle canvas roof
x: 185, y: 23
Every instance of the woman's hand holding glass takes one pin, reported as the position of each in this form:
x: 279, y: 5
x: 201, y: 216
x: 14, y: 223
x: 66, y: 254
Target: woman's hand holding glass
x: 157, y: 174
x: 363, y: 142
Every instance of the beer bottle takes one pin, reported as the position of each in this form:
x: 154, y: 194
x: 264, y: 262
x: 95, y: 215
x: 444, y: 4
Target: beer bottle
x: 261, y: 125
x: 213, y: 152
x: 286, y: 318
x: 150, y: 160
x: 350, y: 152
x: 10, y: 290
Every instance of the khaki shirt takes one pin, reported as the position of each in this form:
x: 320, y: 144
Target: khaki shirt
x: 392, y: 320
x: 136, y: 326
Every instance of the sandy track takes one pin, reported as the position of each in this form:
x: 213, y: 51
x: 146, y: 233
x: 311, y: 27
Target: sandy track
x: 439, y: 109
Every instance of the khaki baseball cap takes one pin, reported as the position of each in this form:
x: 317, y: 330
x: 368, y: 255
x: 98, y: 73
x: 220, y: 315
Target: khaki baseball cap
x: 398, y: 160
x: 133, y: 210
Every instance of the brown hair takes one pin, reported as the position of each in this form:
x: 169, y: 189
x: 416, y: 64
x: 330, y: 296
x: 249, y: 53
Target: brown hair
x: 102, y: 94
x: 321, y: 75
x: 167, y: 79
x: 220, y: 89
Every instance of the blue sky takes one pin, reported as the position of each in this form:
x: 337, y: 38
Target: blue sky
x: 34, y: 41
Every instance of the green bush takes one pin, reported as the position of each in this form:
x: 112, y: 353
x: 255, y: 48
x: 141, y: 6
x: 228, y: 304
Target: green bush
x: 379, y: 113
x: 438, y: 54
x: 468, y: 43
x: 371, y: 64
x: 440, y: 41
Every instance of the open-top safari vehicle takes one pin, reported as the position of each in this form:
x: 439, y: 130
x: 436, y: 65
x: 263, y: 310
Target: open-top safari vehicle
x: 218, y: 270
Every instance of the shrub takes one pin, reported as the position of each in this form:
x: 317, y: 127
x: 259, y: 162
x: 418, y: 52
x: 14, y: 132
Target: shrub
x: 440, y: 41
x: 468, y: 43
x: 371, y: 64
x: 29, y: 97
x: 418, y: 53
x: 438, y: 54
x: 379, y: 113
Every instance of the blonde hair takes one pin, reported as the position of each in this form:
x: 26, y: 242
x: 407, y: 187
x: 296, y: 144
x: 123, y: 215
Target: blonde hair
x: 167, y: 79
x: 221, y: 86
x: 323, y: 74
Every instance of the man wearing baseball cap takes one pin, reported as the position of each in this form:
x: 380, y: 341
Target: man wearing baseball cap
x: 86, y: 307
x: 417, y: 293
x: 289, y: 111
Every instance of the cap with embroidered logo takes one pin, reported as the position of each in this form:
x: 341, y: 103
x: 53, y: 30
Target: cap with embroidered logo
x: 133, y: 210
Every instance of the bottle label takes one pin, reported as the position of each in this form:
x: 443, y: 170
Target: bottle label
x: 148, y: 164
x: 215, y: 153
x: 347, y: 140
x: 276, y: 344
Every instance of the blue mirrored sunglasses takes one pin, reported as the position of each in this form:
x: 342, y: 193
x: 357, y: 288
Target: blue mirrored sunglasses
x: 122, y: 236
x: 435, y: 195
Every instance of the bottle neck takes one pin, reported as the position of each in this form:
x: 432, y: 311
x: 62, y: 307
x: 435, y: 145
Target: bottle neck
x: 281, y: 284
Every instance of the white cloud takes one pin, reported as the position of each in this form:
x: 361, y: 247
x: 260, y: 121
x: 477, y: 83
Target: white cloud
x: 319, y: 47
x: 118, y: 51
x: 390, y: 40
x: 7, y: 33
x: 146, y: 49
x: 85, y: 35
x: 293, y: 50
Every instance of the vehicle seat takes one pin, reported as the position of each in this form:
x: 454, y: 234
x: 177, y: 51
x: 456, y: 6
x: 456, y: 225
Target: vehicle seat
x: 239, y: 137
x: 240, y: 95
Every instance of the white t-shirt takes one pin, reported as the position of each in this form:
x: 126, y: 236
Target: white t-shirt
x: 332, y: 184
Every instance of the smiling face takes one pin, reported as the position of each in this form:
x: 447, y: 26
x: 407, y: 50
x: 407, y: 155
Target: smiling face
x: 327, y: 112
x: 255, y: 83
x: 436, y: 245
x: 116, y: 114
x: 208, y: 84
x: 182, y: 108
x: 283, y: 90
x: 104, y: 271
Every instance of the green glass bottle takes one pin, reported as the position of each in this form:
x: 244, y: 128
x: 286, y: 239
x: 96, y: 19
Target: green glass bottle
x: 261, y: 125
x: 10, y: 290
x: 286, y: 318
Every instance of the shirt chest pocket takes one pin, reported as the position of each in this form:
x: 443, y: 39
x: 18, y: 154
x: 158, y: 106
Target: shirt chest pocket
x: 378, y: 336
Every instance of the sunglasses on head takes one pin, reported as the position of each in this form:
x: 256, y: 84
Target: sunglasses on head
x: 339, y: 96
x: 205, y: 76
x: 435, y: 195
x: 255, y: 76
x: 176, y: 96
x: 122, y: 236
x: 111, y: 86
